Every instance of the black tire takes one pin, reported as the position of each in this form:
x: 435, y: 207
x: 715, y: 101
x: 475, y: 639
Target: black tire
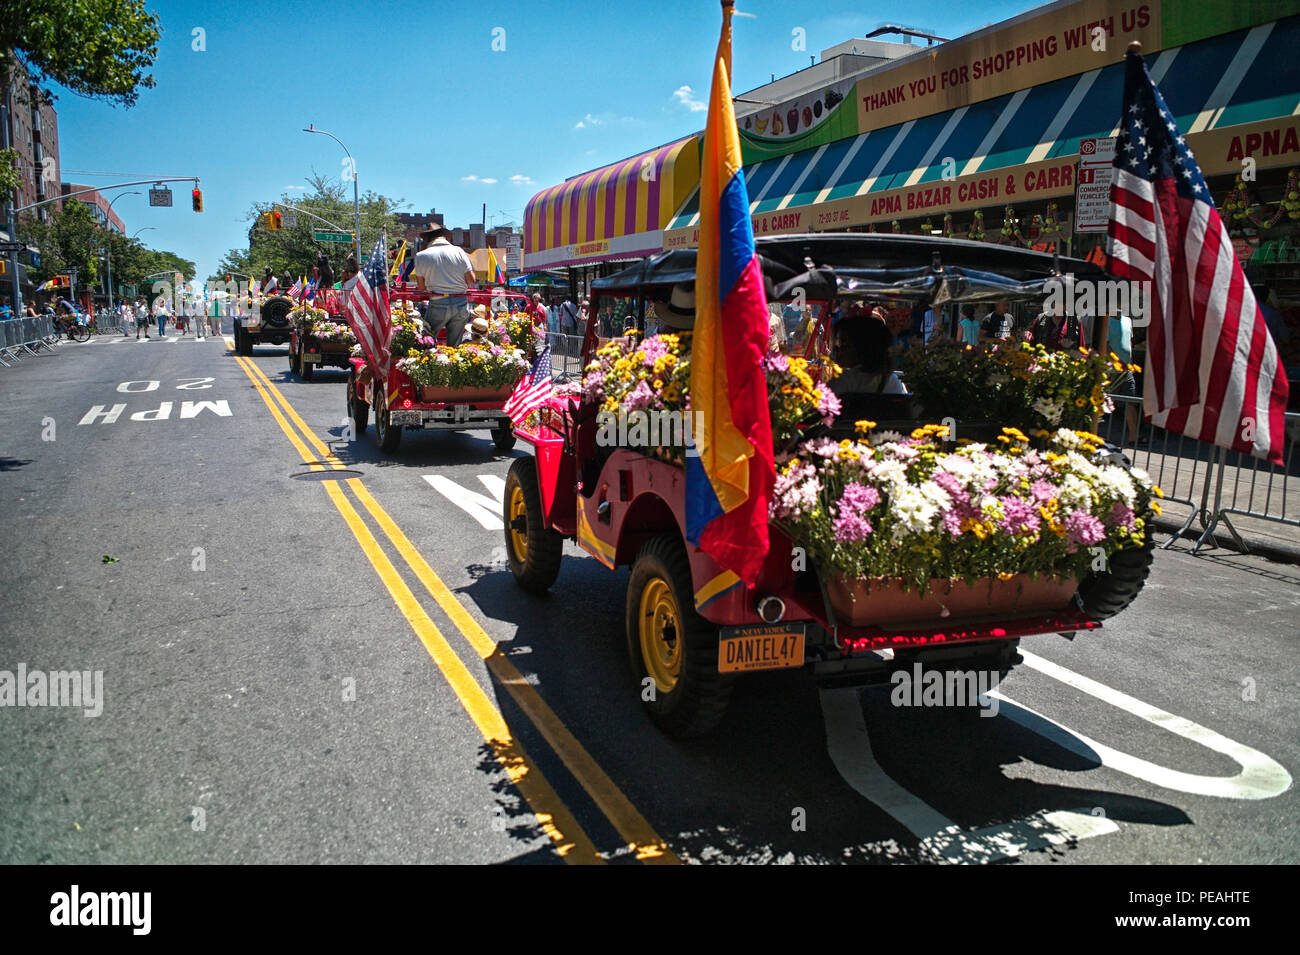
x: 525, y: 529
x: 503, y: 438
x: 244, y: 344
x: 358, y: 410
x: 698, y: 696
x: 387, y: 436
x: 1105, y: 593
x: 79, y: 333
x: 305, y: 368
x: 293, y: 360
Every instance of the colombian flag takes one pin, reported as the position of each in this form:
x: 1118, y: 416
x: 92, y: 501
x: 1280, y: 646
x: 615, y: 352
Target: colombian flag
x: 729, y: 472
x: 494, y: 267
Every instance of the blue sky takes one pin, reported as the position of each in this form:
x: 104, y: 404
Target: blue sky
x: 424, y: 101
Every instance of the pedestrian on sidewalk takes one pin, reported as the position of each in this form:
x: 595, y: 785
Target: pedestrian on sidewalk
x: 160, y: 311
x: 141, y: 319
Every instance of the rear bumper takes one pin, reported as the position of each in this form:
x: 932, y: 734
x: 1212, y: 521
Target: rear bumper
x: 454, y: 418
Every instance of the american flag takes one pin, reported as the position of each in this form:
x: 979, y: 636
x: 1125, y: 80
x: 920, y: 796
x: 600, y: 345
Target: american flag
x: 1212, y: 371
x: 533, y: 389
x: 368, y: 312
x: 295, y: 288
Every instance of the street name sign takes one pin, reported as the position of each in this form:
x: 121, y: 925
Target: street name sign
x: 332, y: 236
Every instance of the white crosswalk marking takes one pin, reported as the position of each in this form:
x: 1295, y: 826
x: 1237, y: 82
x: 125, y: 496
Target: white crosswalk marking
x: 849, y: 746
x: 484, y: 509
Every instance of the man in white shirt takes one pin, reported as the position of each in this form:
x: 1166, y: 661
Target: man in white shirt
x: 446, y: 272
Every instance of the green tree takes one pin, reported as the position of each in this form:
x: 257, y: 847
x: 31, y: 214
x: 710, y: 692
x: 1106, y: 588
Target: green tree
x: 9, y: 178
x: 294, y: 250
x: 100, y: 49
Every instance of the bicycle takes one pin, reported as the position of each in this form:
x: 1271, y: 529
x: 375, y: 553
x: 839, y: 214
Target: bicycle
x: 76, y: 331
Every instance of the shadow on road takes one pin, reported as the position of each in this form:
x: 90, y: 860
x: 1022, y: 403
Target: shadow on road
x: 737, y: 794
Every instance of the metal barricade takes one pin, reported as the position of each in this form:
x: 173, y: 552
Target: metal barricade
x: 1212, y: 481
x: 1251, y: 487
x: 21, y: 337
x: 566, y: 355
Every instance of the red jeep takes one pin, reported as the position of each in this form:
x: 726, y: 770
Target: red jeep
x: 690, y: 630
x: 399, y: 404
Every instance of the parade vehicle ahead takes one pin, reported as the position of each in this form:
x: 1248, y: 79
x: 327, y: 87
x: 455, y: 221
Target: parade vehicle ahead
x: 440, y: 386
x: 267, y: 322
x: 935, y: 528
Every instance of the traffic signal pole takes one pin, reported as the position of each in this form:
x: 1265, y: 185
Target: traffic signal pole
x: 13, y: 213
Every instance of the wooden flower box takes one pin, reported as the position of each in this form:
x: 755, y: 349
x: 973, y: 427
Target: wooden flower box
x: 436, y: 393
x: 886, y: 602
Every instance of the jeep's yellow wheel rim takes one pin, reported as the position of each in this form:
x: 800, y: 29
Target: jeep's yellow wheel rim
x: 660, y: 633
x: 518, y: 517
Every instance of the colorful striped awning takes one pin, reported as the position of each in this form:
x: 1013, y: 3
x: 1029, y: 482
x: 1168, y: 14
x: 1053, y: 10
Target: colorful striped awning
x: 618, y: 211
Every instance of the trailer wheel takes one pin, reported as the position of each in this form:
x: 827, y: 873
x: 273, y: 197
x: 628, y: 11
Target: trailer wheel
x: 245, y: 345
x: 388, y: 435
x: 533, y: 550
x: 1105, y: 593
x: 293, y: 360
x: 305, y: 368
x: 673, y: 650
x: 503, y: 438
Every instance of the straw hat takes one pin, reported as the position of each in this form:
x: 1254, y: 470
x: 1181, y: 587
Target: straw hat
x: 679, y: 311
x: 479, y: 327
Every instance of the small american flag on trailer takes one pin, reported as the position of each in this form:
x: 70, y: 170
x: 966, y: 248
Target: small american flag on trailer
x: 533, y: 389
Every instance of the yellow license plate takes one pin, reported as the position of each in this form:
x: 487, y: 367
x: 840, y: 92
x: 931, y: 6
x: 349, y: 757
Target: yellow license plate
x: 760, y: 647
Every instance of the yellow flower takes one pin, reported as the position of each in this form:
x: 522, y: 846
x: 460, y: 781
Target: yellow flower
x: 863, y: 426
x: 1156, y: 509
x: 1080, y: 402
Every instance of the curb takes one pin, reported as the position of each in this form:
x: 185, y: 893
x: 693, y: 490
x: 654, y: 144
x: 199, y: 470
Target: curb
x: 1281, y: 553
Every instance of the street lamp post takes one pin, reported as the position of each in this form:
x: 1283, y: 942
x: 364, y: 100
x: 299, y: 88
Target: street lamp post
x: 108, y: 248
x: 356, y: 202
x: 143, y: 229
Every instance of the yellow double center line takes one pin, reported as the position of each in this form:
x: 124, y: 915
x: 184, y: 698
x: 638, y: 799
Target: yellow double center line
x: 570, y: 840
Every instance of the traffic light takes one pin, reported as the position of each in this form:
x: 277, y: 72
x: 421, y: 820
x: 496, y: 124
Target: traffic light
x: 197, y: 197
x: 275, y: 218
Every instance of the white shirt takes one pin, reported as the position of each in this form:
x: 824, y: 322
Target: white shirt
x: 443, y: 267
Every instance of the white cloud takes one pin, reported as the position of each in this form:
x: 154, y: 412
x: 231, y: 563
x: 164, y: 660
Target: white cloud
x: 295, y: 188
x: 490, y: 182
x: 487, y: 182
x: 686, y: 96
x: 519, y: 180
x: 588, y: 120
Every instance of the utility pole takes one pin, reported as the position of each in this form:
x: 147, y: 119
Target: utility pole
x: 10, y: 202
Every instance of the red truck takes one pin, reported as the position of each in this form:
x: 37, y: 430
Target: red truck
x: 690, y: 630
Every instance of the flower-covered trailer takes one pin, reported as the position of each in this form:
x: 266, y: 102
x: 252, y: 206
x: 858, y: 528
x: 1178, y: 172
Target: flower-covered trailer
x: 900, y: 532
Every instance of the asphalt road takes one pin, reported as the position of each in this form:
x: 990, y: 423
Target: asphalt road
x: 297, y: 670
